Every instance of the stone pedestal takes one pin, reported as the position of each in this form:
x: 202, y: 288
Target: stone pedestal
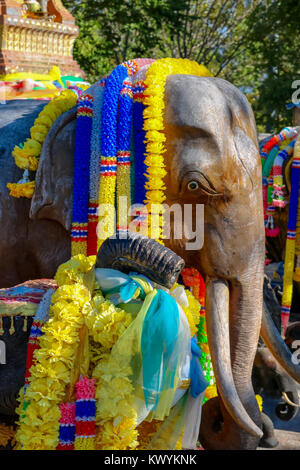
x: 35, y: 41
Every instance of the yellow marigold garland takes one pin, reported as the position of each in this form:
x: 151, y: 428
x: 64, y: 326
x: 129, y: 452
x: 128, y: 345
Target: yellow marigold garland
x: 155, y: 82
x: 21, y: 189
x: 50, y: 375
x: 106, y: 322
x: 115, y: 416
x: 72, y: 309
x: 27, y: 156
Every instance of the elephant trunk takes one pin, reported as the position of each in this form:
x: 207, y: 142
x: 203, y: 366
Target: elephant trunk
x: 232, y: 420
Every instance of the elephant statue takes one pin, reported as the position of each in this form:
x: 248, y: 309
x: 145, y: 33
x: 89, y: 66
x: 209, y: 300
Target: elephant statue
x: 29, y: 249
x: 270, y: 377
x: 212, y: 158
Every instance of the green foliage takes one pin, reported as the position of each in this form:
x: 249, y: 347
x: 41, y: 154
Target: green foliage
x: 112, y: 31
x: 253, y: 43
x: 275, y: 31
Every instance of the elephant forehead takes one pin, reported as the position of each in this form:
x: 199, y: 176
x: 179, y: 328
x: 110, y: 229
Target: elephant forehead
x: 196, y: 102
x: 210, y: 127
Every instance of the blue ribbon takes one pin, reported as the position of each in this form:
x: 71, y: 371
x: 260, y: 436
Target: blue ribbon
x: 198, y: 380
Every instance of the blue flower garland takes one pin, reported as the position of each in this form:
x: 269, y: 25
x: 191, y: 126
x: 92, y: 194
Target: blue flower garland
x: 109, y: 145
x: 81, y: 174
x: 124, y: 153
x: 95, y: 166
x: 139, y: 143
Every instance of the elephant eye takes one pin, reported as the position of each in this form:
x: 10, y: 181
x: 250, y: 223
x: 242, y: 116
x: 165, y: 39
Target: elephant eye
x: 193, y: 185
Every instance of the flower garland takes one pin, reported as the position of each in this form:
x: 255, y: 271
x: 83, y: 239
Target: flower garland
x: 154, y: 126
x: 275, y: 152
x: 55, y: 359
x: 194, y: 280
x: 85, y: 414
x: 27, y: 155
x: 115, y: 419
x: 278, y: 149
x: 273, y: 141
x: 278, y: 197
x: 139, y: 135
x: 67, y: 428
x: 50, y: 374
x: 48, y: 421
x: 123, y: 154
x: 123, y: 104
x: 108, y: 171
x: 291, y: 238
x: 139, y: 142
x: 95, y: 164
x: 297, y: 247
x: 106, y: 322
x: 79, y: 234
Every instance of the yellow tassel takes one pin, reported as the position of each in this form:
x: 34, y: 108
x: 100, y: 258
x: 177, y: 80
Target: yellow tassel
x: 259, y: 402
x: 1, y: 327
x: 12, y: 328
x: 288, y: 272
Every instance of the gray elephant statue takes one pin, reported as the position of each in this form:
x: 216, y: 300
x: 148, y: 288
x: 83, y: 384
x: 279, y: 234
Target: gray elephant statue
x: 29, y: 249
x: 212, y: 158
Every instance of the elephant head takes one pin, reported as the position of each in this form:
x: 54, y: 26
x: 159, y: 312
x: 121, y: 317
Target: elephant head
x: 212, y: 158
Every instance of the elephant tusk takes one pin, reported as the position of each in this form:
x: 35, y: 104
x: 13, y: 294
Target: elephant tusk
x: 218, y: 337
x: 288, y: 401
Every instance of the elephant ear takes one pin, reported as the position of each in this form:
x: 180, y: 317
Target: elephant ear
x: 54, y: 178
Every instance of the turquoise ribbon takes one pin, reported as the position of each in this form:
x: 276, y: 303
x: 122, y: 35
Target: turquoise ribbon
x: 158, y: 345
x: 124, y: 293
x: 119, y: 287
